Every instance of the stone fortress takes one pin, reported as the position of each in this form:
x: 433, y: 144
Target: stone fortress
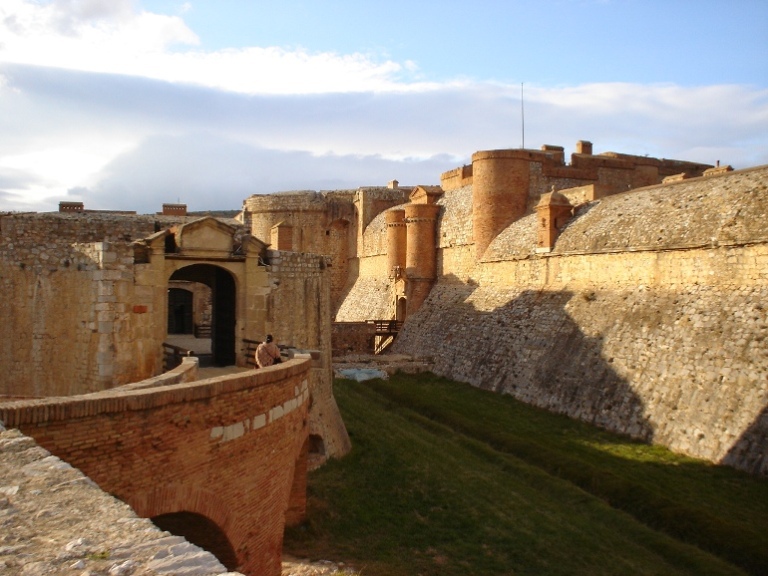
x: 90, y: 298
x: 626, y: 291
x: 623, y: 290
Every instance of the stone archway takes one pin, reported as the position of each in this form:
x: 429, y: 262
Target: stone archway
x: 200, y: 531
x: 224, y: 308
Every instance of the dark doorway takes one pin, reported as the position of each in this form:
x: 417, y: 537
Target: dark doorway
x: 402, y: 306
x: 200, y: 531
x: 180, y: 308
x: 224, y: 308
x: 223, y: 321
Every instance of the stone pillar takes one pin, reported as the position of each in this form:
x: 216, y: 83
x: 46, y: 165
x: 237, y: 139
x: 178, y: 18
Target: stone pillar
x: 500, y: 183
x: 396, y: 243
x: 421, y: 252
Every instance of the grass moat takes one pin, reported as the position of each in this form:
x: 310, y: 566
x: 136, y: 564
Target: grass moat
x: 447, y: 479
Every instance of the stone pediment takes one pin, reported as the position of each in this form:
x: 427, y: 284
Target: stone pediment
x: 207, y: 237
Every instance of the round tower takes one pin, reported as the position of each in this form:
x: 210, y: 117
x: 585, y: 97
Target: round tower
x: 500, y: 184
x: 396, y: 242
x: 421, y: 252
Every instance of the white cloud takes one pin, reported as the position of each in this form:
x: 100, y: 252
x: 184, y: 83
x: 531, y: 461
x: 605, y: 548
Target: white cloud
x: 127, y: 142
x: 101, y: 36
x: 95, y: 35
x: 96, y: 100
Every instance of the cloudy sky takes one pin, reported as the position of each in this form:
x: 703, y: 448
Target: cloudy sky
x: 126, y: 104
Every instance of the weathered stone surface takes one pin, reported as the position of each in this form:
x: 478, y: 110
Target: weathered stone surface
x: 56, y: 521
x: 647, y: 318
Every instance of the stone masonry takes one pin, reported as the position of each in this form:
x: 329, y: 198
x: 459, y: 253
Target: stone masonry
x: 638, y: 306
x: 647, y: 318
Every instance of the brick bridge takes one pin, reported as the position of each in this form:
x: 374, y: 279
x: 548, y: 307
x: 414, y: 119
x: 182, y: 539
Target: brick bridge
x: 223, y: 459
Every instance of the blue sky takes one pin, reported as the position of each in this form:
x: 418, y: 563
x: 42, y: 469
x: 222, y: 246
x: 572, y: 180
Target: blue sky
x: 690, y: 42
x: 127, y: 104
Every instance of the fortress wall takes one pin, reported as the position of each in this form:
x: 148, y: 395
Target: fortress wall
x: 455, y: 219
x: 227, y: 448
x: 544, y: 177
x: 369, y: 297
x: 68, y: 298
x: 458, y: 262
x: 372, y: 201
x: 299, y: 314
x: 294, y: 208
x: 374, y: 240
x: 665, y: 346
x: 67, y: 320
x: 357, y: 337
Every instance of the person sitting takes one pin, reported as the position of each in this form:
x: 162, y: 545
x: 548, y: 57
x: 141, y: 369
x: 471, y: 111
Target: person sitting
x: 267, y: 353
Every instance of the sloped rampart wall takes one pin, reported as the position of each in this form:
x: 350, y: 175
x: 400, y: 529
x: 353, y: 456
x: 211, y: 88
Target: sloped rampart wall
x: 649, y: 318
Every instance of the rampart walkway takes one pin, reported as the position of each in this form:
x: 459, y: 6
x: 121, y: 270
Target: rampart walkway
x: 227, y: 455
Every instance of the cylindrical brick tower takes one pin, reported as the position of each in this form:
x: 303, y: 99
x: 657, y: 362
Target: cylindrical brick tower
x: 421, y: 252
x: 500, y: 183
x: 396, y: 242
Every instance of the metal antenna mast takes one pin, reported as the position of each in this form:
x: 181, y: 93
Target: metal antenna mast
x: 522, y: 114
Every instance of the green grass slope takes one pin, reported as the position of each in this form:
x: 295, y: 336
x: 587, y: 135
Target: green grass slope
x: 447, y: 479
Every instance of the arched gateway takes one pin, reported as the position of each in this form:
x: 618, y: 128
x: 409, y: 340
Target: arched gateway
x: 223, y: 308
x: 229, y: 264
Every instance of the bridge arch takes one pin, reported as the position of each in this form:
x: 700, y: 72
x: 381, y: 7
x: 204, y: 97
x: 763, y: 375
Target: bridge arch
x: 229, y: 452
x: 196, y: 514
x: 201, y: 531
x: 223, y: 285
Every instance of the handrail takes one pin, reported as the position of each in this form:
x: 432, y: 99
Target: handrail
x: 388, y: 327
x: 173, y: 355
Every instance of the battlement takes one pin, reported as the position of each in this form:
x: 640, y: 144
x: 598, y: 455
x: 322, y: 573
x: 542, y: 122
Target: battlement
x: 614, y: 171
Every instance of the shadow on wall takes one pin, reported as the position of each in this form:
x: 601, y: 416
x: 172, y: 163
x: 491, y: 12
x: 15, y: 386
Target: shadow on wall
x: 747, y: 451
x: 524, y: 343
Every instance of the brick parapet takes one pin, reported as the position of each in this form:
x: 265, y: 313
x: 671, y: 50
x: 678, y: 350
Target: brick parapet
x: 229, y: 448
x: 160, y: 391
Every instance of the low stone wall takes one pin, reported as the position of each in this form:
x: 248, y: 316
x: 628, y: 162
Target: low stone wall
x: 352, y: 338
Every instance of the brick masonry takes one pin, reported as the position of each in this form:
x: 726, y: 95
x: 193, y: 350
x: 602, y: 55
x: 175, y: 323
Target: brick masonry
x: 231, y: 448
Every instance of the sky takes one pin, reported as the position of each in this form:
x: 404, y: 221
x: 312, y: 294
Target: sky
x: 129, y: 104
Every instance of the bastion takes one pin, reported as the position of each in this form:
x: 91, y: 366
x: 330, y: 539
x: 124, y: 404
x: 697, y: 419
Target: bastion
x: 623, y: 290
